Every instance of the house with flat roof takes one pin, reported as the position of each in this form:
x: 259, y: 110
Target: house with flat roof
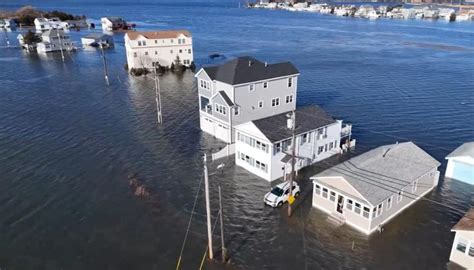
x: 368, y: 190
x: 461, y: 163
x: 96, y: 39
x: 242, y: 90
x: 462, y: 252
x: 158, y: 48
x: 263, y: 146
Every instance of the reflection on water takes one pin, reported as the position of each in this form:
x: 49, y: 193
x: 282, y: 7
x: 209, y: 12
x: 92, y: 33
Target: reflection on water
x: 68, y: 143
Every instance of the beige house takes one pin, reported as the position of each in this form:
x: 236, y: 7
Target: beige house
x: 462, y: 252
x: 367, y: 191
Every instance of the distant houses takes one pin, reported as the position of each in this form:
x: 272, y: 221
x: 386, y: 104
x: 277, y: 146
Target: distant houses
x: 111, y: 24
x: 461, y: 163
x: 462, y: 251
x: 369, y: 190
x: 44, y: 24
x: 54, y: 40
x: 147, y: 50
x: 7, y: 23
x: 242, y: 90
x: 263, y: 146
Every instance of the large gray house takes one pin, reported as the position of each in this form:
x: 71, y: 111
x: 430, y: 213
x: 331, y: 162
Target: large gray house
x: 242, y: 90
x: 368, y: 190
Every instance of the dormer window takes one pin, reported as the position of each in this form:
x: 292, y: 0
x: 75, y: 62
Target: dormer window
x: 139, y: 43
x: 290, y: 82
x: 265, y: 85
x: 144, y: 43
x: 251, y: 87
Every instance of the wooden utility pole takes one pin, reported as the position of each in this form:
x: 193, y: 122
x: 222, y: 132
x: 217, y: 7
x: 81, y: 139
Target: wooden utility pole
x: 104, y: 61
x: 158, y: 98
x: 208, y: 209
x: 60, y: 44
x: 293, y: 147
x: 224, y: 250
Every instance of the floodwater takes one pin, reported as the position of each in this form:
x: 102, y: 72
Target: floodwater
x: 68, y: 143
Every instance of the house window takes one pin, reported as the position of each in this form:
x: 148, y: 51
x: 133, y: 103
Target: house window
x: 275, y: 102
x: 139, y: 43
x: 260, y: 104
x: 172, y: 41
x: 317, y: 189
x: 290, y: 82
x: 180, y: 51
x: 156, y: 41
x: 379, y: 209
x: 330, y: 145
x: 320, y: 149
x: 462, y: 244
x: 236, y: 110
x: 189, y: 51
x: 171, y: 51
x: 146, y: 53
x: 325, y: 193
x: 277, y: 148
x: 179, y: 41
x: 332, y: 196
x: 325, y: 147
x: 400, y: 196
x: 156, y: 52
x: 304, y: 138
x: 265, y: 85
x: 349, y: 204
x: 471, y: 250
x: 357, y: 208
x: 135, y: 54
x: 389, y: 203
x: 289, y: 99
x: 366, y: 212
x: 251, y: 87
x: 220, y: 109
x: 144, y: 43
x: 374, y: 212
x: 414, y: 186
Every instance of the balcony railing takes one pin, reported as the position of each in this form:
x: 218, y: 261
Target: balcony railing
x: 346, y: 130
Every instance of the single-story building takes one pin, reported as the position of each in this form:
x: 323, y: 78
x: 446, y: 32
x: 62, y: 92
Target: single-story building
x: 462, y: 252
x: 263, y: 146
x: 461, y: 163
x: 95, y: 39
x: 370, y: 189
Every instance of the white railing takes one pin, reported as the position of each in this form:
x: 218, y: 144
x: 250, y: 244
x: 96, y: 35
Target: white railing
x: 224, y: 152
x: 346, y: 130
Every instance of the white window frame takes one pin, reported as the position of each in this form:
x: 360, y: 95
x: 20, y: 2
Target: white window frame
x: 289, y: 99
x: 236, y: 111
x: 275, y: 102
x: 260, y: 104
x: 400, y: 196
x: 389, y: 202
x: 290, y: 82
x: 251, y: 87
x: 265, y: 85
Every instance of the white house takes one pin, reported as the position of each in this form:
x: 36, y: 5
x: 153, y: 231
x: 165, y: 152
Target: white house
x: 7, y: 23
x: 95, y: 39
x: 158, y: 48
x: 263, y: 146
x: 461, y: 163
x: 43, y: 24
x: 462, y: 252
x: 54, y: 40
x: 367, y: 191
x: 113, y: 24
x: 242, y: 90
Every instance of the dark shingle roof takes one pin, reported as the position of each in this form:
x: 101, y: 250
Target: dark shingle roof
x: 466, y: 223
x: 226, y: 98
x: 307, y: 118
x: 238, y: 71
x: 97, y: 36
x: 381, y: 172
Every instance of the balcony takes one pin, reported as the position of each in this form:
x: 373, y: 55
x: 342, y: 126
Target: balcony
x: 346, y: 130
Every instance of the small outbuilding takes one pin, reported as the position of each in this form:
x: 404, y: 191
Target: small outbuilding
x: 95, y: 39
x: 462, y: 252
x: 369, y: 190
x: 461, y: 163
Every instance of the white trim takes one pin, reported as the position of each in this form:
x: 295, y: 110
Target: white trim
x: 315, y: 180
x: 271, y: 79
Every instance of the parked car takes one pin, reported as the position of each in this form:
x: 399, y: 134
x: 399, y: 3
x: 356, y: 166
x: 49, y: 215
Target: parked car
x: 279, y: 194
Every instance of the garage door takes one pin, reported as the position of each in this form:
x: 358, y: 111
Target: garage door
x: 463, y: 172
x: 222, y: 132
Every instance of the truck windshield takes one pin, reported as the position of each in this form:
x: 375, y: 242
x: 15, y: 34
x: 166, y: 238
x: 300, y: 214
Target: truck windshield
x: 277, y: 191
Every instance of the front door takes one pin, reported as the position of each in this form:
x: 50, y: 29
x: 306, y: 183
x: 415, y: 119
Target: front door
x: 340, y: 204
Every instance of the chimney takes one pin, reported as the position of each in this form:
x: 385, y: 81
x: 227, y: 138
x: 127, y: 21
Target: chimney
x: 266, y: 64
x: 289, y: 121
x: 250, y: 63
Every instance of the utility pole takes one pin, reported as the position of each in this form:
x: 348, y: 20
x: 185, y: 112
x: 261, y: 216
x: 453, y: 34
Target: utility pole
x: 293, y: 147
x: 6, y: 37
x: 158, y: 98
x: 208, y: 209
x: 104, y: 61
x: 60, y: 44
x: 224, y: 250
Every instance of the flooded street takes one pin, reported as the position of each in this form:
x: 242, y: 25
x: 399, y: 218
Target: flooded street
x: 68, y: 143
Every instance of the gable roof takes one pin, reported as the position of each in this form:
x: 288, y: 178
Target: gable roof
x: 383, y: 171
x: 465, y: 150
x: 132, y: 35
x: 115, y: 19
x: 248, y: 69
x: 226, y: 98
x: 466, y: 223
x: 54, y: 33
x: 97, y: 36
x: 307, y: 118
